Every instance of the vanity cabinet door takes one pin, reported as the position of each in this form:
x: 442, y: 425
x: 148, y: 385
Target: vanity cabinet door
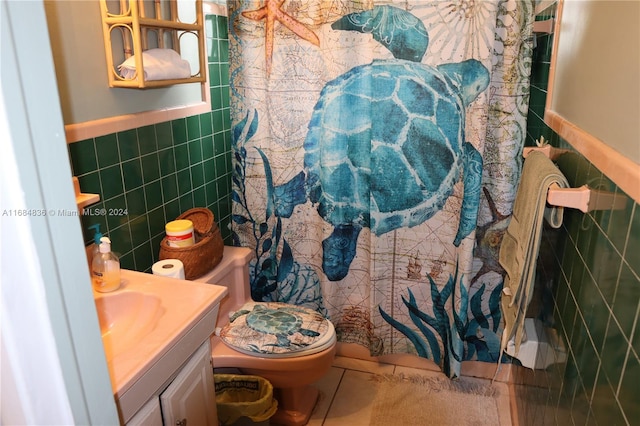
x: 149, y: 415
x: 190, y: 399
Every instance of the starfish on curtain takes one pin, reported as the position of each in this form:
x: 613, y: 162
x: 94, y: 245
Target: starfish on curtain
x: 272, y: 12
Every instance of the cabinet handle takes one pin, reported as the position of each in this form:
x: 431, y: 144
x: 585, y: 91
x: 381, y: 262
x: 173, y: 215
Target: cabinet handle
x: 182, y: 422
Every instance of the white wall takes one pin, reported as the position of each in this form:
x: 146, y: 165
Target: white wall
x: 54, y: 369
x: 33, y: 389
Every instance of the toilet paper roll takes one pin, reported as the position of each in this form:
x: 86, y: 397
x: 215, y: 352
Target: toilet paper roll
x: 172, y: 268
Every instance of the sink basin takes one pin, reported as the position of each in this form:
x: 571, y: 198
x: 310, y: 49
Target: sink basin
x: 125, y: 317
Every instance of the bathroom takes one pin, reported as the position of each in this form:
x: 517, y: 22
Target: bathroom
x: 596, y: 383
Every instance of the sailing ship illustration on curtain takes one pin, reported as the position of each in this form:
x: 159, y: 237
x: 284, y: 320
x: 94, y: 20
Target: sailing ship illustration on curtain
x: 386, y: 166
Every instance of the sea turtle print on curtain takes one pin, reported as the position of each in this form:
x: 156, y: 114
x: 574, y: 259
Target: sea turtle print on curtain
x: 361, y: 170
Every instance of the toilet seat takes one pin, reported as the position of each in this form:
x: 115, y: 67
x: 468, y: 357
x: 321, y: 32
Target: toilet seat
x: 277, y: 330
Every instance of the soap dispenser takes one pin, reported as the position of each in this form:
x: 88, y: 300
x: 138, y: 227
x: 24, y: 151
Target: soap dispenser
x: 105, y: 268
x: 95, y: 250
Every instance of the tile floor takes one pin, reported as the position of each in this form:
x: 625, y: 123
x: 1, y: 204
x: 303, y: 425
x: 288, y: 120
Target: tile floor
x: 347, y: 392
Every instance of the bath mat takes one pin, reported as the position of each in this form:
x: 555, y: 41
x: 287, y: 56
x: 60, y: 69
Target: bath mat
x: 438, y: 401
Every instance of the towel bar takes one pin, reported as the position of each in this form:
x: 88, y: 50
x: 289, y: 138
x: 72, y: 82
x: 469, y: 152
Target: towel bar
x: 546, y: 149
x: 584, y: 198
x: 575, y: 198
x: 545, y: 26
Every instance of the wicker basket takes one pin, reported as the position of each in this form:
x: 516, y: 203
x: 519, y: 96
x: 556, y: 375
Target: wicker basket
x: 206, y: 253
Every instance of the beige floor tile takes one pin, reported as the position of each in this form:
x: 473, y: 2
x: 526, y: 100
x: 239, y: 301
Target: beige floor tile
x: 362, y: 365
x: 353, y: 400
x: 328, y: 387
x: 487, y: 370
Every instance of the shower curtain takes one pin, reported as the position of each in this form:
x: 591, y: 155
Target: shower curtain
x: 376, y: 151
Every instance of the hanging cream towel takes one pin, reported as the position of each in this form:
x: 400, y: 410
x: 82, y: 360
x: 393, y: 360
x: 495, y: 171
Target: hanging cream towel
x: 521, y: 242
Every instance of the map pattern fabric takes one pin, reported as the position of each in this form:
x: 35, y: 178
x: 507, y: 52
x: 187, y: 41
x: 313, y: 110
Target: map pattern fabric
x: 377, y: 148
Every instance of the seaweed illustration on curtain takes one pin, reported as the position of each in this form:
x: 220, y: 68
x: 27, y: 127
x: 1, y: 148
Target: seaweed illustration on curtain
x: 480, y: 337
x: 275, y: 275
x: 481, y: 333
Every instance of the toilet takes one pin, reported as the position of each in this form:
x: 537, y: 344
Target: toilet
x: 290, y: 371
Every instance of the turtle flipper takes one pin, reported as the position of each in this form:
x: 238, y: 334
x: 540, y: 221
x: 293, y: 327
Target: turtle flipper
x: 289, y: 195
x: 472, y: 163
x: 237, y: 314
x: 308, y: 333
x: 398, y: 30
x: 339, y: 249
x: 283, y: 341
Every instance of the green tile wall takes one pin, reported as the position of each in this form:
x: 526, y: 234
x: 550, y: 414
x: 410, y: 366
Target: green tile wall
x: 592, y: 272
x: 149, y: 175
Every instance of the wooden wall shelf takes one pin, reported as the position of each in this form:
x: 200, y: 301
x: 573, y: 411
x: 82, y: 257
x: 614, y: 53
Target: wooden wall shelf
x: 128, y: 32
x: 83, y: 199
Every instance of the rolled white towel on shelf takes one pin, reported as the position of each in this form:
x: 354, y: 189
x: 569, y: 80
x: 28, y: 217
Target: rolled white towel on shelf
x: 159, y: 64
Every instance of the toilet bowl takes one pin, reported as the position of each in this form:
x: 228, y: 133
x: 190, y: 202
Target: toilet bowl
x: 290, y: 372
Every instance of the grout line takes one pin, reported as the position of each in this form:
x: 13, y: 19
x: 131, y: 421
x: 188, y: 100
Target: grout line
x: 333, y: 397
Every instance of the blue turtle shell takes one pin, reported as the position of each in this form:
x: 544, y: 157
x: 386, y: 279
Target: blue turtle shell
x: 387, y: 138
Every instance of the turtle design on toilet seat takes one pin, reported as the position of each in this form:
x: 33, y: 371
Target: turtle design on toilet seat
x: 281, y: 322
x: 273, y: 327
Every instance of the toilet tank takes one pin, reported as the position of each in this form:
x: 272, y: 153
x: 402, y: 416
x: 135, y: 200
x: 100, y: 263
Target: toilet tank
x: 233, y: 273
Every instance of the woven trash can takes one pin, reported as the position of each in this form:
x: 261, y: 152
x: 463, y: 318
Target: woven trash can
x: 244, y: 400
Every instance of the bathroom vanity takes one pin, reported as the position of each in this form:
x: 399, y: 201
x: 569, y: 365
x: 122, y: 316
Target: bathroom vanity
x: 155, y: 332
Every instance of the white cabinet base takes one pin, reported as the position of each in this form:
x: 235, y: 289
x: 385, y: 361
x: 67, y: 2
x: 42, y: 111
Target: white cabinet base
x: 190, y: 399
x: 149, y: 415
